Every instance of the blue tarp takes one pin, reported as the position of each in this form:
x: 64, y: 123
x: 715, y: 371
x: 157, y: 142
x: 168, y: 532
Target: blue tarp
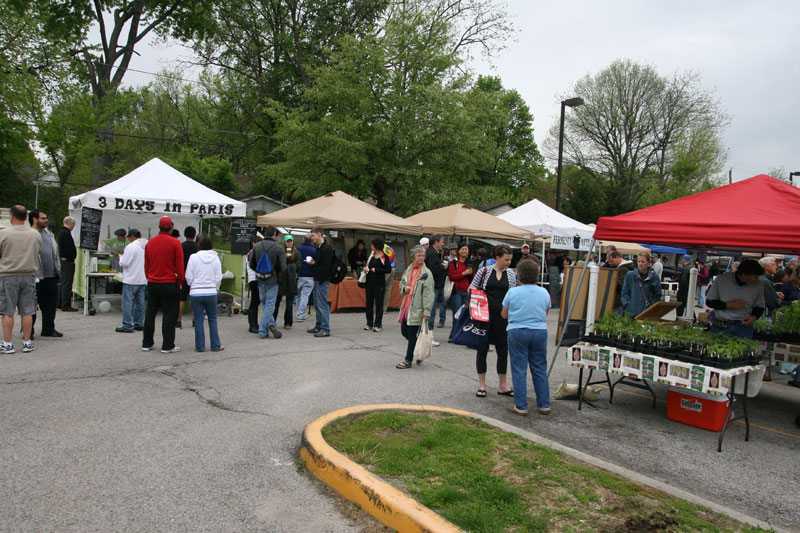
x: 664, y: 249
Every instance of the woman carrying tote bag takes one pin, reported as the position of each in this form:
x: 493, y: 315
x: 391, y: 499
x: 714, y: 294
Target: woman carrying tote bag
x: 418, y: 290
x: 495, y: 281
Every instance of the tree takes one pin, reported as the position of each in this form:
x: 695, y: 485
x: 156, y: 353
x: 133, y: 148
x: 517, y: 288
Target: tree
x: 644, y: 136
x: 390, y: 116
x: 121, y: 25
x: 516, y: 161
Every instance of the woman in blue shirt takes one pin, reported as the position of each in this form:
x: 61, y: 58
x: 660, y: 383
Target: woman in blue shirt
x: 525, y: 307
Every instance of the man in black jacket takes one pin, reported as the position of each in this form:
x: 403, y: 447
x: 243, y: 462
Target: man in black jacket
x: 268, y: 287
x: 433, y: 260
x: 323, y: 264
x: 67, y: 254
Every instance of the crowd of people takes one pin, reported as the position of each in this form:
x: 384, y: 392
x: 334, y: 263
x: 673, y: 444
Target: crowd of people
x: 37, y: 270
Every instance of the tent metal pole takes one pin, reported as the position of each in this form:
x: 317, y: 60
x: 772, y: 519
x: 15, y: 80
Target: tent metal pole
x: 569, y: 309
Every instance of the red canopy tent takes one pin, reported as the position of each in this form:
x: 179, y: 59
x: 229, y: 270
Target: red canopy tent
x: 759, y: 213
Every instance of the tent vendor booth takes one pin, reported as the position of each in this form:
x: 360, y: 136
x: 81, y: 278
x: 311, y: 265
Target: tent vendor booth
x: 138, y: 200
x: 750, y: 215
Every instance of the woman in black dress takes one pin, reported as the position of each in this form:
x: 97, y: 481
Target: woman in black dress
x: 495, y: 280
x: 377, y: 268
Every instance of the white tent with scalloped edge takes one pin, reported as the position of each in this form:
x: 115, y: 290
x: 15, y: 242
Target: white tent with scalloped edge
x: 155, y: 189
x: 543, y: 220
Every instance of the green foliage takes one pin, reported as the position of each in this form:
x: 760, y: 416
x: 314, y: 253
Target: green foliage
x: 390, y: 117
x: 212, y: 172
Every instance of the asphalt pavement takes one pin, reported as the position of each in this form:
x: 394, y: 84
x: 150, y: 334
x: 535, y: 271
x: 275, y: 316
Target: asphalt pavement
x: 98, y: 435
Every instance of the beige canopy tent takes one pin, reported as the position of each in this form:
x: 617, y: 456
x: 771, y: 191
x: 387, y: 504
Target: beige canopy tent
x: 464, y: 221
x: 622, y: 247
x: 338, y: 210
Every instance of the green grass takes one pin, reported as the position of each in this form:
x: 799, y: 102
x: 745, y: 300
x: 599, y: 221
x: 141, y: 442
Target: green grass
x: 483, y: 479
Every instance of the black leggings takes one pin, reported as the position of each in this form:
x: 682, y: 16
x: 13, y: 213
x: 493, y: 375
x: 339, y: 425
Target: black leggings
x: 498, y: 337
x: 375, y: 292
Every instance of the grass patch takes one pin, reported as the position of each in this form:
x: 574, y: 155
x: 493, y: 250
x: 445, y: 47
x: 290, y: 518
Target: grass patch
x: 483, y: 479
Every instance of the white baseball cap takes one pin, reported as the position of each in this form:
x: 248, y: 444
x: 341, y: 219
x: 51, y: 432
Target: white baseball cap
x: 423, y: 241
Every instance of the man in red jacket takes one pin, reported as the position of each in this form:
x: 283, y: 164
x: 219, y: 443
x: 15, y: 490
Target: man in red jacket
x: 163, y: 266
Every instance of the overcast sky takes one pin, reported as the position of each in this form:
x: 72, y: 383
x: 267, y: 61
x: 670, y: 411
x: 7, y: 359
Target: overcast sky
x: 747, y: 51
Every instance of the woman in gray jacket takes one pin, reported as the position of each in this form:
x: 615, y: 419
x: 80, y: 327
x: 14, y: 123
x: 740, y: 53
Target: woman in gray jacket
x: 418, y: 290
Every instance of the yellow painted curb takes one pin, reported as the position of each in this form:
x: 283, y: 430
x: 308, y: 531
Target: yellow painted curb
x: 388, y: 505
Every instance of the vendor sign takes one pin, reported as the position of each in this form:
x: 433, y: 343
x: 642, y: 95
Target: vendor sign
x: 671, y: 372
x: 565, y: 239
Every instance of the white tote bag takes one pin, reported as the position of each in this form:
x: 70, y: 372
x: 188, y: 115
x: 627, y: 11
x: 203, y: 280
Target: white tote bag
x: 422, y: 350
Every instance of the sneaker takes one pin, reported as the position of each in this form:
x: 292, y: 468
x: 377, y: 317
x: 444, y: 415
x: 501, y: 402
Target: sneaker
x: 123, y: 330
x: 367, y: 327
x: 303, y: 319
x: 28, y: 347
x: 146, y: 348
x: 7, y: 349
x: 314, y: 330
x: 321, y: 333
x: 511, y: 408
x: 435, y: 343
x: 377, y: 329
x: 175, y: 349
x: 544, y: 410
x: 784, y: 372
x: 275, y: 333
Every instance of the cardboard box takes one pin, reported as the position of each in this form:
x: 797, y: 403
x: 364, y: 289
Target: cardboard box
x: 707, y: 411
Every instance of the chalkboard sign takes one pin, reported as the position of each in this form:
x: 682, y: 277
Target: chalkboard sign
x: 241, y: 231
x: 90, y: 228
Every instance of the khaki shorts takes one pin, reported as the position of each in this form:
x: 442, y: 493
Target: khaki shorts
x: 18, y: 293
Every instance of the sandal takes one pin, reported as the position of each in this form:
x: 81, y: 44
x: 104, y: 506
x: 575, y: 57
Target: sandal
x: 481, y: 393
x: 509, y: 393
x: 403, y: 365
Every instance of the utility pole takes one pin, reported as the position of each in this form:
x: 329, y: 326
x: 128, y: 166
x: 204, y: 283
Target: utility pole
x: 730, y: 176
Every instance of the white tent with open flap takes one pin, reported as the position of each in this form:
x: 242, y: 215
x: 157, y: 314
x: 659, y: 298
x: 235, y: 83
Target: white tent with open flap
x: 543, y: 220
x: 138, y: 200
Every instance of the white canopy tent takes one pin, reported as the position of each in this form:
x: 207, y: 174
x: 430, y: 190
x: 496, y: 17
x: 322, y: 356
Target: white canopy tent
x: 543, y: 220
x: 139, y: 198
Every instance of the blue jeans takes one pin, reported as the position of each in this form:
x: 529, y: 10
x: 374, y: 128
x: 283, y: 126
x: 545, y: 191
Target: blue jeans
x: 735, y: 328
x: 304, y: 287
x: 528, y: 348
x: 436, y: 295
x: 457, y: 299
x: 268, y: 294
x: 132, y: 306
x: 322, y: 306
x: 442, y: 307
x: 207, y: 303
x: 701, y: 294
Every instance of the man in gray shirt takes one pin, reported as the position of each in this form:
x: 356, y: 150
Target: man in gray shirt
x: 737, y: 299
x: 48, y: 275
x: 19, y: 256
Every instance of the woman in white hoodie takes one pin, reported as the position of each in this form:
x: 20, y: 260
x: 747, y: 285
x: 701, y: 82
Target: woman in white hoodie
x: 203, y: 274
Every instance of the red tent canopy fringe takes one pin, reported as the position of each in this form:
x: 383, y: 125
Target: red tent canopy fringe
x: 756, y: 214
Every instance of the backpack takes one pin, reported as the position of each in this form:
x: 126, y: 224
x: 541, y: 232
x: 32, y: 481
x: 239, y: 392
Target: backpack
x: 338, y: 270
x: 264, y: 270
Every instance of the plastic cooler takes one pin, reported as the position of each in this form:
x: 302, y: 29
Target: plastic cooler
x: 705, y: 411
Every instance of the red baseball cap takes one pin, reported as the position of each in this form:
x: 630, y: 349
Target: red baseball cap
x: 165, y: 222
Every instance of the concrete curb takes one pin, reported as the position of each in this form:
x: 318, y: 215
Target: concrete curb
x: 396, y: 510
x: 388, y: 505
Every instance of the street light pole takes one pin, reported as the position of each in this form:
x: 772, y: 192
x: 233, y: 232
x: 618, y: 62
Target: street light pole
x: 791, y: 181
x: 571, y: 102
